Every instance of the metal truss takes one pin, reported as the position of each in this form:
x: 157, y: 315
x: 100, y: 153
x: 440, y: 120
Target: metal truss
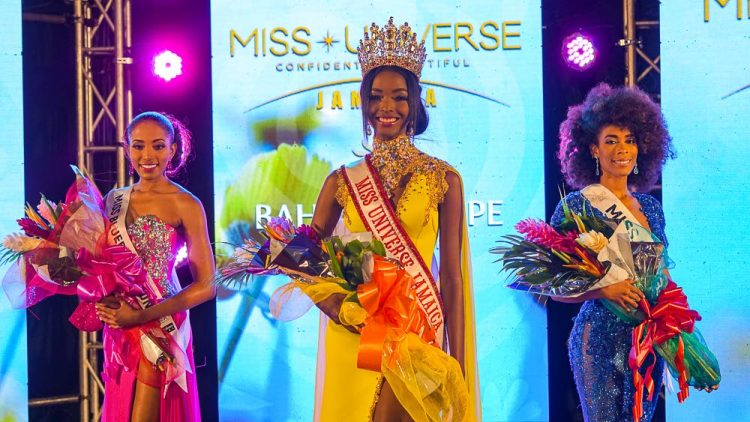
x: 104, y: 107
x: 640, y: 59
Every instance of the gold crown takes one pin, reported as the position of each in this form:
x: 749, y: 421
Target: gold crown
x: 391, y: 46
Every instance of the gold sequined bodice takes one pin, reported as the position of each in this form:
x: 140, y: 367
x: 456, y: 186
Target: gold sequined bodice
x: 417, y: 207
x: 155, y: 242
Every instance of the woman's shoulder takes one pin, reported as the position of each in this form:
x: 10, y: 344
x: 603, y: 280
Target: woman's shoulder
x: 647, y: 200
x: 440, y: 175
x: 335, y: 182
x: 576, y: 195
x: 183, y: 197
x: 650, y: 206
x: 432, y: 162
x: 574, y: 200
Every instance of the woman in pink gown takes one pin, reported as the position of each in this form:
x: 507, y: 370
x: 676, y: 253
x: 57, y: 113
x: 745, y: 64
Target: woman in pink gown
x: 149, y: 372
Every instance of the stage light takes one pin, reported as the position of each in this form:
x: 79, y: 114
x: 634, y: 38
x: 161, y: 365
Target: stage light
x: 167, y: 65
x: 578, y: 51
x: 181, y: 257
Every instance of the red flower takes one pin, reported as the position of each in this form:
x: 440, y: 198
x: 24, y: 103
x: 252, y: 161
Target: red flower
x: 32, y: 229
x: 541, y: 233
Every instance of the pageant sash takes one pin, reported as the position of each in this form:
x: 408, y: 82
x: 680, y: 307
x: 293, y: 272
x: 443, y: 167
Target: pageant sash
x: 609, y: 204
x: 379, y: 218
x: 618, y: 251
x: 117, y: 207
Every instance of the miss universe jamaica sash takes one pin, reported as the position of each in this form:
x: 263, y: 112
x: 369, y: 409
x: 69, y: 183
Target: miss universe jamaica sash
x: 379, y: 218
x: 178, y: 337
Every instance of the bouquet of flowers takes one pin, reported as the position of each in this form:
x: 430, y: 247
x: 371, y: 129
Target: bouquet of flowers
x: 586, y: 253
x: 44, y: 254
x: 62, y: 250
x: 379, y: 302
x: 546, y: 262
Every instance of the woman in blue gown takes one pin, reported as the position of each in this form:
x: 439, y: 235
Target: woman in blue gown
x: 615, y: 141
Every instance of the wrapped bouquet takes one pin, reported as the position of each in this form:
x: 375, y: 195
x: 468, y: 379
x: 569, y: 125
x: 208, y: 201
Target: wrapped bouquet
x: 63, y: 249
x: 585, y: 253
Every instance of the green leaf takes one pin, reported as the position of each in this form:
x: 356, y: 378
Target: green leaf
x: 9, y: 256
x: 354, y: 247
x: 378, y: 248
x: 329, y: 245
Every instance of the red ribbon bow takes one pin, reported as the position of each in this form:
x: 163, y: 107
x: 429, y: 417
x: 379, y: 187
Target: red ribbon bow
x: 670, y: 317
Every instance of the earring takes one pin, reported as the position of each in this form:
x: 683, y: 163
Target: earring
x: 635, y: 170
x: 597, y: 165
x: 131, y: 170
x: 410, y: 130
x: 368, y: 131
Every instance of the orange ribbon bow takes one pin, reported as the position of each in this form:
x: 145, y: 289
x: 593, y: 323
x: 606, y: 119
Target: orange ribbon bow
x: 392, y: 312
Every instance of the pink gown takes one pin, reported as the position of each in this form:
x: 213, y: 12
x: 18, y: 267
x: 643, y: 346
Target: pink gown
x: 156, y: 244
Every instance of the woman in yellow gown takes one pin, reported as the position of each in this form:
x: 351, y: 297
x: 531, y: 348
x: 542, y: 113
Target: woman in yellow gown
x: 427, y: 198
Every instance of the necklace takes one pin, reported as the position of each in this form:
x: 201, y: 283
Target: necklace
x: 394, y: 159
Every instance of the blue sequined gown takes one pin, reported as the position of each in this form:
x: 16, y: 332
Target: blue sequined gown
x: 599, y: 343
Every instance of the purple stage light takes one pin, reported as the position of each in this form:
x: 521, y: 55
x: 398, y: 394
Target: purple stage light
x: 182, y: 255
x: 167, y: 65
x: 578, y: 51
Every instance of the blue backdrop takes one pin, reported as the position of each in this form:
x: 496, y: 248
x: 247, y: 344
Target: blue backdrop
x: 705, y: 97
x: 13, y: 376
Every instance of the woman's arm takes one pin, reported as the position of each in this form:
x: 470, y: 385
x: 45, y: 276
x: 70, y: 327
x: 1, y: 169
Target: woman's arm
x: 451, y: 279
x: 202, y: 267
x: 326, y: 215
x: 623, y: 293
x: 327, y: 208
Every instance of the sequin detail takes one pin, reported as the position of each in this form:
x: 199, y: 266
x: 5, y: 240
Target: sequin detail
x: 342, y: 195
x: 155, y: 241
x: 396, y: 158
x: 376, y: 398
x: 599, y: 344
x: 598, y: 348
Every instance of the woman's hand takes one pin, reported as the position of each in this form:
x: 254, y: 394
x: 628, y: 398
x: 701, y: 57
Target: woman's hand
x: 117, y: 313
x: 709, y: 389
x: 624, y: 293
x: 331, y: 306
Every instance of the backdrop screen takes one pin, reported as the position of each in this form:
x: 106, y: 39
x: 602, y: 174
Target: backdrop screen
x: 286, y: 72
x: 13, y: 376
x: 705, y: 98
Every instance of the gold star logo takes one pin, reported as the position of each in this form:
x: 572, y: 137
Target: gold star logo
x: 328, y: 41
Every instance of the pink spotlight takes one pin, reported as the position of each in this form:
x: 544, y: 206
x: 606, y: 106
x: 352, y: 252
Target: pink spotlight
x: 578, y: 51
x: 167, y: 65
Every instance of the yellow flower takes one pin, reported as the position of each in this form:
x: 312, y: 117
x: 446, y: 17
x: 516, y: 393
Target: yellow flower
x: 592, y: 240
x: 20, y: 243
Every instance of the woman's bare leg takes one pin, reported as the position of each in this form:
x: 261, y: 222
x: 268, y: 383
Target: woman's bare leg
x: 388, y: 409
x: 146, y: 397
